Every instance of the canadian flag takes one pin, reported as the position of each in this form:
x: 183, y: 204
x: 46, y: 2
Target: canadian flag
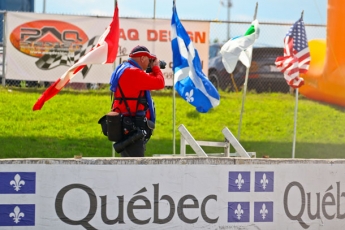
x: 104, y: 52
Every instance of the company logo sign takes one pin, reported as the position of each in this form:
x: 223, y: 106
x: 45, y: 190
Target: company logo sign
x: 17, y: 183
x: 240, y: 182
x: 53, y: 42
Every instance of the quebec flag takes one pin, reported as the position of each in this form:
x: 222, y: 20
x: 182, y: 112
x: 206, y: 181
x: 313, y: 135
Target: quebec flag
x: 189, y: 80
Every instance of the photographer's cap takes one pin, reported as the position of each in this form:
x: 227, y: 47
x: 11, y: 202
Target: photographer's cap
x: 139, y: 51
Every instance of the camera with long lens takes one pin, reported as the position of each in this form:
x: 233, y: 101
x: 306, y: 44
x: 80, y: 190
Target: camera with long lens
x: 162, y: 65
x: 120, y: 146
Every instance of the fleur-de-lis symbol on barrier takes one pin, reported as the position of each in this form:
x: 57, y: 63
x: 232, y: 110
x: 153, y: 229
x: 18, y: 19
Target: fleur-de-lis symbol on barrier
x: 239, y: 211
x: 16, y: 214
x: 239, y: 181
x: 264, y: 181
x: 263, y: 211
x: 17, y: 182
x: 189, y: 96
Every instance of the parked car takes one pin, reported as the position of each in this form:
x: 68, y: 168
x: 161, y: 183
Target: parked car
x: 263, y: 73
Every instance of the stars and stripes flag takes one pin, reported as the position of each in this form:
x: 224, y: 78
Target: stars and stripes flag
x: 296, y: 57
x: 189, y: 80
x: 104, y: 52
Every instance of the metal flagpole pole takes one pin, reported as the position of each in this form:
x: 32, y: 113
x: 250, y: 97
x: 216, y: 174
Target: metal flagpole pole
x: 174, y: 106
x: 4, y: 45
x: 295, y: 125
x: 245, y: 83
x: 114, y: 65
x: 295, y: 118
x: 174, y: 117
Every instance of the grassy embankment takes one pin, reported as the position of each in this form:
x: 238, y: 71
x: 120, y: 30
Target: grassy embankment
x: 67, y: 125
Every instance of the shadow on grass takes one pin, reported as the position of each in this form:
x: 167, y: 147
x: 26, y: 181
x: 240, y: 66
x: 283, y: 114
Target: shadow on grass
x: 48, y: 147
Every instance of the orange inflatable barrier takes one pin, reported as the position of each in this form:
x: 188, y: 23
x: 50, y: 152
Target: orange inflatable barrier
x: 325, y: 79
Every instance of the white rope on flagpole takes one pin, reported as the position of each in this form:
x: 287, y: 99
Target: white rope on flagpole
x: 246, y: 83
x: 295, y: 125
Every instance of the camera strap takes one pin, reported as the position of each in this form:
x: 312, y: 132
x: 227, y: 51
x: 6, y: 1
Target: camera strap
x: 139, y: 99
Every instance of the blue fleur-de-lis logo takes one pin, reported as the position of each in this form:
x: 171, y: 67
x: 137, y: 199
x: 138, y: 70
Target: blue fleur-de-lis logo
x: 17, y: 182
x: 263, y: 211
x: 16, y: 214
x: 239, y: 181
x: 189, y: 96
x: 264, y: 181
x: 239, y: 211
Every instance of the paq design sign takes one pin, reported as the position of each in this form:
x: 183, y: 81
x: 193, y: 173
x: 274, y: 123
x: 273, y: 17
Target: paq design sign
x: 53, y: 42
x: 41, y: 49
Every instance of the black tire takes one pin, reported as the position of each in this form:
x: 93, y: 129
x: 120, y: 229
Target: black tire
x: 213, y: 77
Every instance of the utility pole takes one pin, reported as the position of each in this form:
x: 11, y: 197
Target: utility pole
x: 154, y: 9
x: 44, y: 6
x: 228, y: 5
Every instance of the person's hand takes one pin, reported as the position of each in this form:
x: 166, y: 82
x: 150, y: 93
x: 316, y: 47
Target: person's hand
x: 155, y: 62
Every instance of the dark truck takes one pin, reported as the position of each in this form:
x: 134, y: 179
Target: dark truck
x: 263, y: 74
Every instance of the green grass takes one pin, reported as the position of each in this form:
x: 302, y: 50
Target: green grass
x: 67, y: 125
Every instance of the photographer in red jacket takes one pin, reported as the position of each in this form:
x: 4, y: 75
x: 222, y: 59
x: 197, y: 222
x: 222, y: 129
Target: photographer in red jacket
x: 131, y: 86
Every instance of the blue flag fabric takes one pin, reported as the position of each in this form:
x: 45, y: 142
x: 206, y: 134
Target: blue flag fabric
x: 114, y: 80
x: 189, y: 80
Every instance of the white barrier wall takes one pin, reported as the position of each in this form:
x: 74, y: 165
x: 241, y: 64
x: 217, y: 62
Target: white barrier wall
x: 172, y: 193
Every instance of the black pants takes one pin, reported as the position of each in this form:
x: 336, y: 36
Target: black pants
x: 137, y: 149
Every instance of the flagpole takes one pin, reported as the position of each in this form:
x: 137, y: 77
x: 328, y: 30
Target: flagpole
x: 114, y: 65
x: 295, y: 125
x: 295, y: 116
x: 174, y: 116
x: 245, y: 83
x: 174, y: 106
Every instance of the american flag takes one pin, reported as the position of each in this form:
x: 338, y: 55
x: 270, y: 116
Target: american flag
x: 296, y: 58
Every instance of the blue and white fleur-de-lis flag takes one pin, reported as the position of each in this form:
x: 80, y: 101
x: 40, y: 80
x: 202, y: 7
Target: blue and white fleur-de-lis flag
x: 189, y: 80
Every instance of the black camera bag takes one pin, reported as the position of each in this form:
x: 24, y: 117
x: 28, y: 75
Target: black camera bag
x: 103, y: 122
x: 111, y: 125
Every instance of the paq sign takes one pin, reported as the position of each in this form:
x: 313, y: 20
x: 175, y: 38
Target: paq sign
x: 37, y: 38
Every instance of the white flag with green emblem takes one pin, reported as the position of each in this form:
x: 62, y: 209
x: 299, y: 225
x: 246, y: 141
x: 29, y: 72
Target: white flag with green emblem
x: 239, y: 48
